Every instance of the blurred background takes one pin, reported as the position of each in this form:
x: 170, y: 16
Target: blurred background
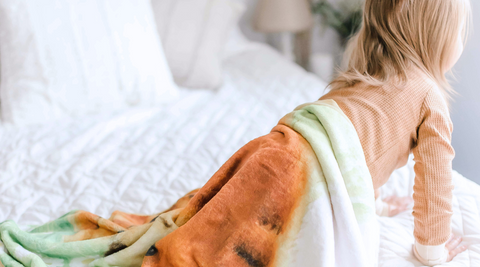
x: 326, y: 52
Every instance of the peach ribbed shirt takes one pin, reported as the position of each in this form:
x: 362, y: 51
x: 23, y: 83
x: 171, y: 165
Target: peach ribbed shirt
x: 392, y: 122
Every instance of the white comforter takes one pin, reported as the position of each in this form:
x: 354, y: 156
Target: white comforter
x: 396, y: 234
x: 90, y: 163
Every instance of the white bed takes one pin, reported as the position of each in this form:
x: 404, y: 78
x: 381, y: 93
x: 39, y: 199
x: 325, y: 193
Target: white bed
x: 396, y: 234
x: 141, y: 160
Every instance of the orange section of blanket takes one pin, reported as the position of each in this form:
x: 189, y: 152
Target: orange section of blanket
x: 89, y: 226
x: 239, y: 216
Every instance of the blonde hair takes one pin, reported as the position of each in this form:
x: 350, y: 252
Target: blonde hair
x: 398, y: 34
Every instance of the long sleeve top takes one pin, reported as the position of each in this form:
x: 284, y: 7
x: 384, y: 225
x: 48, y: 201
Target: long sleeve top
x: 394, y: 120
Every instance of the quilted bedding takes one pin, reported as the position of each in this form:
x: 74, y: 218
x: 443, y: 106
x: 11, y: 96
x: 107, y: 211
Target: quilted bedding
x: 89, y: 163
x: 396, y: 234
x: 272, y: 198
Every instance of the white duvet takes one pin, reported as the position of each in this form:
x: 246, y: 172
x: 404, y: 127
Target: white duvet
x: 396, y: 234
x: 90, y: 163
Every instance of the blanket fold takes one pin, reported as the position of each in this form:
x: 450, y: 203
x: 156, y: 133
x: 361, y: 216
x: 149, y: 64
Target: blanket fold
x: 300, y: 196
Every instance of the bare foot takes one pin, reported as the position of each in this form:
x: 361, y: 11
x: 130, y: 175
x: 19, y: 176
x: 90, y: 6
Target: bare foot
x: 397, y: 204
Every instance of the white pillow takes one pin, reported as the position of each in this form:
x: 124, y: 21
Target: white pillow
x: 66, y: 58
x: 194, y: 33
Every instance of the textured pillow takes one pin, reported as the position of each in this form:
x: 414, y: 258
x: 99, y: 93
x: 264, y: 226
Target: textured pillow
x: 66, y: 58
x: 194, y: 33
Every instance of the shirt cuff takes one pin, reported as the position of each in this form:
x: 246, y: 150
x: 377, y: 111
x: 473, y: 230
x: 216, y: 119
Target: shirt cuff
x: 381, y: 208
x: 430, y: 255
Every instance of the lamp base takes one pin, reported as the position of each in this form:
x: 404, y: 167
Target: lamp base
x: 283, y: 42
x: 286, y: 47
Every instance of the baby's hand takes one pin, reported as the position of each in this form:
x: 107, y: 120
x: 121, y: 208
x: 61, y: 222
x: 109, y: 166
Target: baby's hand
x: 397, y: 204
x: 453, y: 246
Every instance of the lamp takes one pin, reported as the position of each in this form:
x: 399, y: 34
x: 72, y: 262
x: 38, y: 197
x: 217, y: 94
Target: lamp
x: 285, y: 17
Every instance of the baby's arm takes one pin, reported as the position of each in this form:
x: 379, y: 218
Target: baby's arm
x: 433, y: 187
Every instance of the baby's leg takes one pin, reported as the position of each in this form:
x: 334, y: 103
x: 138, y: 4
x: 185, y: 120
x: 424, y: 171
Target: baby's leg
x: 382, y: 208
x: 391, y: 205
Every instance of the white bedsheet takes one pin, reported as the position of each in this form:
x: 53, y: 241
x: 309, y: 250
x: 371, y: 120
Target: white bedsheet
x: 396, y: 234
x: 142, y: 160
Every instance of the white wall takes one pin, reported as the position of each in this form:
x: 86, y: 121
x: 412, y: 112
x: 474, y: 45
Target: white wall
x: 466, y: 108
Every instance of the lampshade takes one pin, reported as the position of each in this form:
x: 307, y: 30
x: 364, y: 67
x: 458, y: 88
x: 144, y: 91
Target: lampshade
x: 282, y: 16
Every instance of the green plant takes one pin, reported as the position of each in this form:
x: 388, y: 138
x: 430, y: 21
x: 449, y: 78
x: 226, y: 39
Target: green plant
x: 345, y: 21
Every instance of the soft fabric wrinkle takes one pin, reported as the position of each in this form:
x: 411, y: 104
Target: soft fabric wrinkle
x: 250, y: 213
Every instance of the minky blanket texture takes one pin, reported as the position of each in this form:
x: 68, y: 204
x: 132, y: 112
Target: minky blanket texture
x: 301, y: 195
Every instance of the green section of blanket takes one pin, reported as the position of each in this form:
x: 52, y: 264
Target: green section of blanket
x: 335, y: 142
x: 47, y: 242
x: 21, y: 245
x: 68, y: 241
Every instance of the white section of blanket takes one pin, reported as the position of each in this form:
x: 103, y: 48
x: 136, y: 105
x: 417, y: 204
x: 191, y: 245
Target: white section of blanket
x: 143, y: 160
x: 342, y: 220
x: 328, y: 234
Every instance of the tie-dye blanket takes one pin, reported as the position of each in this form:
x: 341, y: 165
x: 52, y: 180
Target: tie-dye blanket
x: 299, y: 196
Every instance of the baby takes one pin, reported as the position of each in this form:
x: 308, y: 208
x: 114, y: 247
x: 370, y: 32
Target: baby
x: 395, y: 93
